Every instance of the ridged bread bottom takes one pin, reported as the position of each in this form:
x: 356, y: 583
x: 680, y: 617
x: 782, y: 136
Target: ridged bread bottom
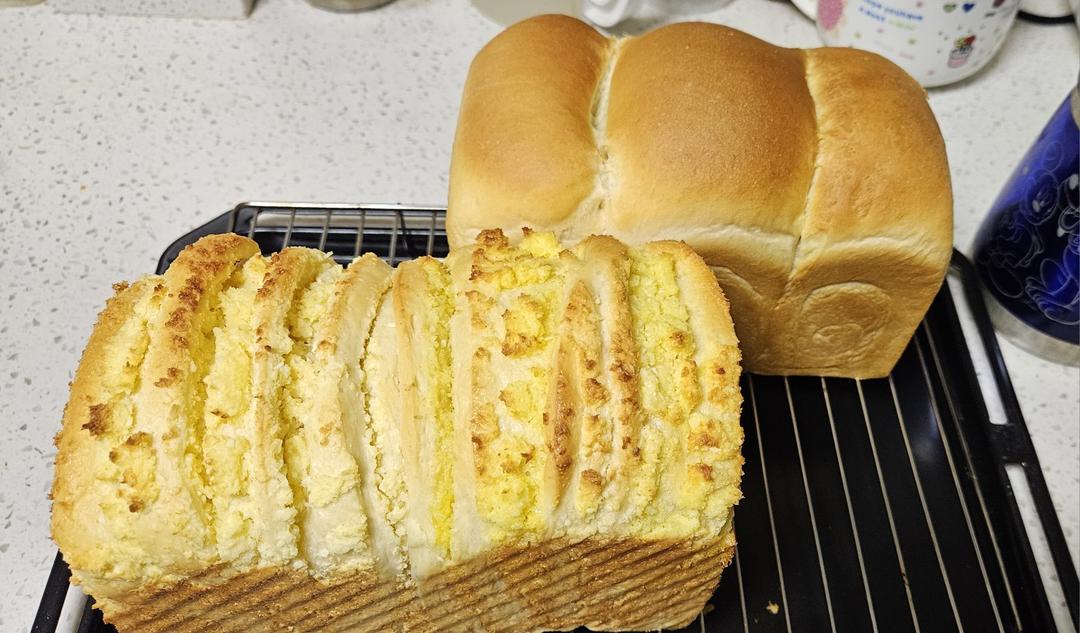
x: 560, y: 584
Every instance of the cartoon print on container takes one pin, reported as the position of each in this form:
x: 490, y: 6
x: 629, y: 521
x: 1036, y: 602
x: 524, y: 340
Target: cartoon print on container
x: 962, y: 48
x: 1046, y: 194
x: 950, y: 7
x: 1027, y: 251
x: 1015, y: 246
x: 1043, y: 194
x: 829, y: 13
x: 1056, y: 290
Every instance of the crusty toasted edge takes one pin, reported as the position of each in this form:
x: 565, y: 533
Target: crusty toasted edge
x: 607, y: 584
x: 78, y: 523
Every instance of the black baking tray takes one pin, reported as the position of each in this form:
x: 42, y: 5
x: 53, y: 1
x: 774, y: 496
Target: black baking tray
x: 870, y: 505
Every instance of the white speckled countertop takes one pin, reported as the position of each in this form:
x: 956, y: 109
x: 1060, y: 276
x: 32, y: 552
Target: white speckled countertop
x: 119, y: 134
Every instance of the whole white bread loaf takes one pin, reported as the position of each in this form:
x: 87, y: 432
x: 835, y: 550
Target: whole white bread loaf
x: 814, y: 182
x: 515, y: 438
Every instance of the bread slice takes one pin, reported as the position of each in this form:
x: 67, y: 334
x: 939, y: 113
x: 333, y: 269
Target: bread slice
x: 515, y: 438
x: 330, y: 448
x: 134, y: 430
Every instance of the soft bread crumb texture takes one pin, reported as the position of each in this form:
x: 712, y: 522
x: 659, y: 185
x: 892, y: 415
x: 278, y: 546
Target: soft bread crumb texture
x: 814, y: 182
x: 228, y: 418
x: 518, y: 437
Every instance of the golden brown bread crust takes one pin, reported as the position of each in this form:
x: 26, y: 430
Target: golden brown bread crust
x: 546, y: 437
x: 877, y: 236
x: 558, y: 585
x: 541, y: 98
x: 702, y: 117
x: 149, y: 497
x: 813, y: 181
x: 117, y: 341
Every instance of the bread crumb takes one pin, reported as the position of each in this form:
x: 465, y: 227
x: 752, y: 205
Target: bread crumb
x: 772, y: 608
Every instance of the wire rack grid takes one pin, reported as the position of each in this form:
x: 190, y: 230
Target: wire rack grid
x: 869, y: 505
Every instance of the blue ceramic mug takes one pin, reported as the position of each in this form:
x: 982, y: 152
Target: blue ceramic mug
x: 1027, y: 250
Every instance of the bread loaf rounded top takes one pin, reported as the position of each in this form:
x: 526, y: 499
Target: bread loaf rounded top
x: 696, y: 132
x: 702, y: 118
x: 517, y: 103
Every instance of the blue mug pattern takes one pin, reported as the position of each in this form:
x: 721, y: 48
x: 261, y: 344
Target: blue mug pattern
x: 1027, y: 251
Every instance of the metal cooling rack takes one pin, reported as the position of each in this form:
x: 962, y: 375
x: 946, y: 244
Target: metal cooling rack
x: 870, y: 505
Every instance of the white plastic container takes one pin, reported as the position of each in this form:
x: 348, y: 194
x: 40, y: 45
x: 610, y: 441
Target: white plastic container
x: 936, y: 42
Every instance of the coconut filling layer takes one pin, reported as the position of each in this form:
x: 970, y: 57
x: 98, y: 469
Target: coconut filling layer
x: 580, y: 398
x: 314, y: 425
x: 514, y: 298
x: 120, y: 454
x: 713, y: 432
x: 320, y: 403
x: 442, y: 385
x: 229, y: 418
x: 202, y: 351
x: 380, y: 442
x: 424, y: 306
x: 134, y: 477
x: 319, y: 408
x: 669, y: 394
